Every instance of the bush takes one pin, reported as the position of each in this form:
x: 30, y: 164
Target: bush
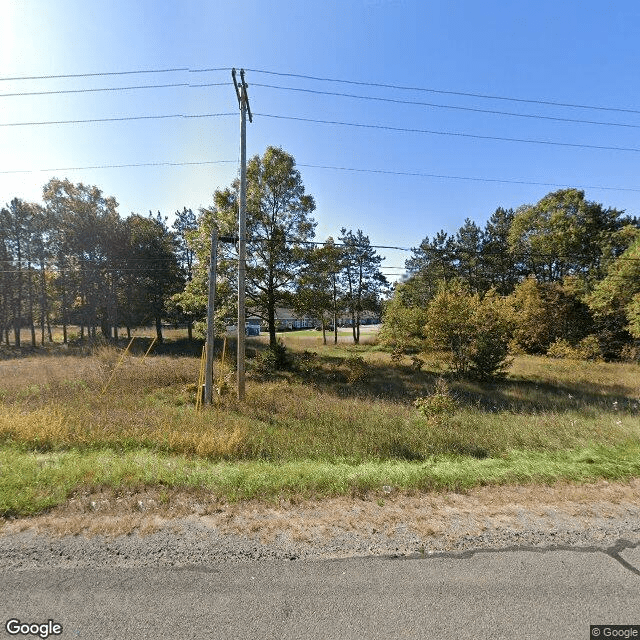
x: 438, y: 404
x: 631, y: 352
x: 587, y: 349
x: 308, y: 363
x: 548, y: 312
x: 402, y: 328
x: 475, y: 332
x: 561, y: 349
x: 357, y: 369
x: 275, y: 358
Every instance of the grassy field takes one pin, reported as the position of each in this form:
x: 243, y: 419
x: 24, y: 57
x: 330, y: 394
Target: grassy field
x: 341, y: 421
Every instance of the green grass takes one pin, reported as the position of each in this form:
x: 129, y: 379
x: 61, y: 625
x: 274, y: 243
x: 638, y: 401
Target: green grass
x: 343, y: 421
x: 32, y: 482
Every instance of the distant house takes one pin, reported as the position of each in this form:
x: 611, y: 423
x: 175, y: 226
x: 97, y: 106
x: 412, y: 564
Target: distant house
x: 288, y: 319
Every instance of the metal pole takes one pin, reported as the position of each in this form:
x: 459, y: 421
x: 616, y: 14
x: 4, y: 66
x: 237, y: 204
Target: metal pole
x: 208, y: 372
x: 242, y: 238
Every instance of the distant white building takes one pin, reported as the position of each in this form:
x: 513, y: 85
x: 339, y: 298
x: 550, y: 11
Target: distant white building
x: 288, y: 319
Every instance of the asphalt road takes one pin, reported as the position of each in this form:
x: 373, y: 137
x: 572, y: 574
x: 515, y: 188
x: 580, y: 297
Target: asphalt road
x: 536, y: 593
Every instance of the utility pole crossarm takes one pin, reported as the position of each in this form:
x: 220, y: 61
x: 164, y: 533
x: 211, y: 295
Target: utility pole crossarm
x: 235, y: 84
x: 245, y: 95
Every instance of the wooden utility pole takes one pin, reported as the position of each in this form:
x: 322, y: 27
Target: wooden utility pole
x: 243, y: 103
x: 208, y: 368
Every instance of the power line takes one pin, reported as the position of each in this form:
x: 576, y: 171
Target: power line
x: 119, y: 119
x: 122, y: 166
x: 333, y: 80
x: 98, y: 74
x: 470, y: 178
x: 418, y: 174
x: 449, y: 106
x: 446, y: 92
x: 450, y: 133
x: 101, y: 89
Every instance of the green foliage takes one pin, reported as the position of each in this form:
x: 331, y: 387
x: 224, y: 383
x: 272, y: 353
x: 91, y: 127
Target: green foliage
x: 432, y: 261
x: 450, y: 324
x: 402, y: 326
x: 587, y: 349
x: 493, y: 332
x: 317, y: 292
x: 617, y: 297
x: 439, y: 404
x: 361, y: 278
x: 546, y: 312
x: 275, y: 358
x: 564, y: 234
x: 499, y: 265
x: 474, y: 331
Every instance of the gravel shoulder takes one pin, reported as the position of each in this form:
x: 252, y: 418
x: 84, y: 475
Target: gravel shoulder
x: 185, y: 528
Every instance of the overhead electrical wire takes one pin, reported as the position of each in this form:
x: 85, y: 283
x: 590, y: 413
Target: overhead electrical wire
x: 96, y: 74
x: 111, y: 73
x: 121, y: 166
x: 449, y: 133
x: 449, y: 106
x: 361, y: 83
x: 100, y: 89
x: 418, y: 174
x: 118, y: 119
x: 470, y: 178
x: 334, y: 123
x: 328, y: 93
x: 326, y: 122
x: 448, y: 92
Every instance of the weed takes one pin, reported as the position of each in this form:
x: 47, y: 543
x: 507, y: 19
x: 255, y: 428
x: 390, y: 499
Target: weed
x: 439, y: 404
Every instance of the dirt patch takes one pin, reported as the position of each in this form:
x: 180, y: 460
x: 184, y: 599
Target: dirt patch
x: 432, y: 515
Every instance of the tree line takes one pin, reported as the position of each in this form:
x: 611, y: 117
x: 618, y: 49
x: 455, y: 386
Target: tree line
x: 563, y: 274
x: 73, y: 261
x: 559, y: 277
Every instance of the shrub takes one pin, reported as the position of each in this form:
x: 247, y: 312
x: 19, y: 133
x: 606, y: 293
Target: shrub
x: 273, y: 359
x: 587, y: 349
x: 474, y: 331
x: 438, y: 404
x: 357, y: 369
x: 546, y: 312
x: 402, y: 327
x: 631, y: 352
x: 308, y: 363
x: 562, y: 349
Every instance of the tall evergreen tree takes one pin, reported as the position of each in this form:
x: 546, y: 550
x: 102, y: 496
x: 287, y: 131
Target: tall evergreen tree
x: 362, y: 279
x: 498, y: 263
x: 432, y: 261
x: 468, y: 246
x: 157, y: 274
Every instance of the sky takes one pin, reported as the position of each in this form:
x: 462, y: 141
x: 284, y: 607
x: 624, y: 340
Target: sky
x: 458, y: 58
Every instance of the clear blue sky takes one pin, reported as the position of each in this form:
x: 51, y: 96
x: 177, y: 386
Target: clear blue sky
x: 579, y: 52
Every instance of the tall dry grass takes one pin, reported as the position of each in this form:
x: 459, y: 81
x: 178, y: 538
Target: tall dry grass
x: 343, y: 404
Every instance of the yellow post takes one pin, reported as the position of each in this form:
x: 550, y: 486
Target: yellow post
x: 113, y: 373
x: 150, y: 347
